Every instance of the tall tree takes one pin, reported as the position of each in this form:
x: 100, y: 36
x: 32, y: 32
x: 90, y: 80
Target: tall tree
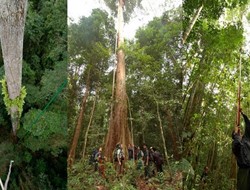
x: 212, y: 56
x: 12, y: 22
x: 89, y: 48
x: 154, y: 72
x: 118, y: 124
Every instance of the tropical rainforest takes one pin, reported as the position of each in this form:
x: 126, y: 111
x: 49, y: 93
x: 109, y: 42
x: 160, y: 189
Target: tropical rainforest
x: 182, y: 74
x: 39, y: 151
x: 177, y: 86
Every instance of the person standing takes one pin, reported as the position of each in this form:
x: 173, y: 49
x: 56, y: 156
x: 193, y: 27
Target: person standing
x: 130, y: 152
x: 139, y: 157
x: 100, y: 162
x: 146, y: 161
x: 241, y: 149
x: 119, y: 159
x: 158, y: 160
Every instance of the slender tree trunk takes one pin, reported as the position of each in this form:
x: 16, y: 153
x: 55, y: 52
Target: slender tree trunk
x: 131, y: 128
x: 191, y: 25
x: 90, y: 122
x: 173, y: 136
x: 12, y: 22
x: 72, y: 151
x: 5, y: 186
x: 118, y: 127
x: 72, y: 97
x: 162, y: 134
x: 212, y: 156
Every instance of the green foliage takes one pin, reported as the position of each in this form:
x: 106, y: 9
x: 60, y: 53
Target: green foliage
x: 183, y: 166
x: 154, y: 71
x: 212, y: 60
x: 130, y: 6
x: 51, y: 128
x: 18, y: 101
x: 248, y: 17
x: 6, y: 149
x: 90, y: 42
x: 40, y: 153
x: 82, y: 174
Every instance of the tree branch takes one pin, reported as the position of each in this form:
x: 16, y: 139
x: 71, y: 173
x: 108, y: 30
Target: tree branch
x: 191, y: 25
x: 8, y: 177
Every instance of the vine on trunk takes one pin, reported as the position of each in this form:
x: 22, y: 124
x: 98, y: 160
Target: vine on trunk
x: 18, y: 101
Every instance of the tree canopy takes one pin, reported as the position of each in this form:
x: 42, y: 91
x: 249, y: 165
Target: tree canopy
x: 41, y: 150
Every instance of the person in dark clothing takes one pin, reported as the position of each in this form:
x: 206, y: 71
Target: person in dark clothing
x: 135, y: 152
x: 241, y: 149
x: 204, y: 177
x: 92, y: 160
x: 158, y: 160
x: 130, y: 152
x: 146, y: 161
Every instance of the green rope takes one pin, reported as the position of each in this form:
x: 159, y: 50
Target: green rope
x: 59, y: 90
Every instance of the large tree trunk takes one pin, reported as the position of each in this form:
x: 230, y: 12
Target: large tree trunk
x: 12, y: 22
x: 72, y: 151
x: 118, y: 126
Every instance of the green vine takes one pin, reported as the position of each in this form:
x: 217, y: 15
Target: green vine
x: 18, y: 101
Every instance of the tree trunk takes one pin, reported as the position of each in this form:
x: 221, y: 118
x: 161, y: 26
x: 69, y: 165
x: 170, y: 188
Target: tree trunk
x: 118, y: 126
x: 191, y: 25
x: 12, y: 22
x: 87, y: 130
x: 162, y: 134
x: 72, y: 151
x: 72, y: 95
x: 212, y: 155
x: 131, y: 128
x: 173, y: 136
x: 5, y: 186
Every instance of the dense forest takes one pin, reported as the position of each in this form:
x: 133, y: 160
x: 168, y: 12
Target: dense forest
x: 40, y: 150
x: 182, y: 71
x: 174, y: 90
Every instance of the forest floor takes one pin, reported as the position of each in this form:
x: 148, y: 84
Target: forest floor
x: 153, y: 183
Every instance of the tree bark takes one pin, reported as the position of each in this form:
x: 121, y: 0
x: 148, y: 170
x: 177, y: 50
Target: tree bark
x: 72, y: 151
x: 12, y: 22
x: 118, y: 126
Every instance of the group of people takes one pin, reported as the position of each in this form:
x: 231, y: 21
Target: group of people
x: 149, y: 159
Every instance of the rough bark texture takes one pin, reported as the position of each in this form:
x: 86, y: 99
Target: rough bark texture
x: 12, y: 22
x: 118, y: 126
x: 72, y: 151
